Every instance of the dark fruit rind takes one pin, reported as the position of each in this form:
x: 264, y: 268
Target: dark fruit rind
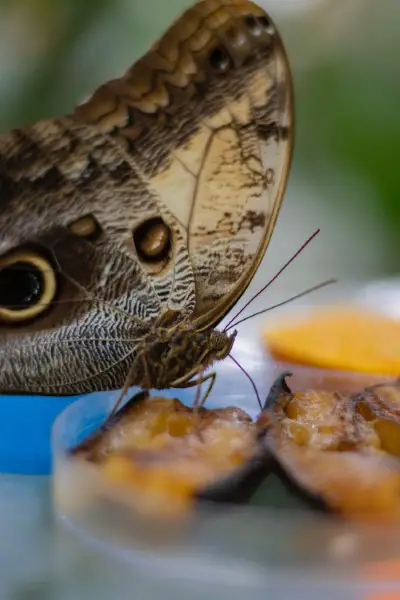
x: 241, y: 485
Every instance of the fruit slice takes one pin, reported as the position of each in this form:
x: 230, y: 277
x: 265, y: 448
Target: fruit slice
x: 345, y: 338
x: 160, y: 455
x: 342, y: 451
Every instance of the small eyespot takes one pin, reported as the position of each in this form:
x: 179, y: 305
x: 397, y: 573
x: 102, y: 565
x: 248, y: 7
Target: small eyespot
x: 267, y: 25
x: 28, y: 285
x: 253, y: 25
x: 220, y: 60
x: 86, y: 227
x: 152, y: 240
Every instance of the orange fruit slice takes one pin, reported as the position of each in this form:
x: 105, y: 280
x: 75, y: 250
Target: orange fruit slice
x: 348, y: 338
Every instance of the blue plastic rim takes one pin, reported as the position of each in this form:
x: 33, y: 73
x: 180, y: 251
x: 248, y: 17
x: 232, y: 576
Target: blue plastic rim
x: 25, y: 432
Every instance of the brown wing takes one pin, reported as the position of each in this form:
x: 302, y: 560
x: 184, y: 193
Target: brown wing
x: 207, y: 117
x: 160, y: 192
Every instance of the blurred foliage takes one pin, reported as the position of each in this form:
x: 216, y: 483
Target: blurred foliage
x: 59, y: 50
x: 351, y: 96
x: 344, y: 58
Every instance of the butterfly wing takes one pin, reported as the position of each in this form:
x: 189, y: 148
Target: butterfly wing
x: 160, y: 192
x: 207, y: 115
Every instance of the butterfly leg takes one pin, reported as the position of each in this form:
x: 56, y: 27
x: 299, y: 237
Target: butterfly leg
x: 186, y: 384
x: 128, y: 382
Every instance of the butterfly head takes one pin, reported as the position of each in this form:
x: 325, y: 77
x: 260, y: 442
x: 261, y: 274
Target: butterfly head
x: 221, y: 343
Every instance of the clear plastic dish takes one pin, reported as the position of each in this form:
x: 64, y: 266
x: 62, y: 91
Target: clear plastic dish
x: 272, y: 544
x: 307, y: 377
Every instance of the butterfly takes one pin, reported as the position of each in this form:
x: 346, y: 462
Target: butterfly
x: 130, y: 227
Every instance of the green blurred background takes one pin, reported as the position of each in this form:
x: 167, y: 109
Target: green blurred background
x: 346, y: 67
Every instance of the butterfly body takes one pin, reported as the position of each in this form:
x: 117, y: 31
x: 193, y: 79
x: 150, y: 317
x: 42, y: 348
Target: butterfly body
x: 158, y: 194
x: 173, y: 357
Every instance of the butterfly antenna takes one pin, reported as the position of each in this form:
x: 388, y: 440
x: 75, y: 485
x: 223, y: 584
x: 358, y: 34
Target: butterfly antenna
x: 271, y: 281
x: 249, y: 377
x: 296, y: 297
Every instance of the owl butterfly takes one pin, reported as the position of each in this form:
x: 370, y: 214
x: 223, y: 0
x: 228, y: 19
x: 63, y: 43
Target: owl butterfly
x: 130, y: 227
